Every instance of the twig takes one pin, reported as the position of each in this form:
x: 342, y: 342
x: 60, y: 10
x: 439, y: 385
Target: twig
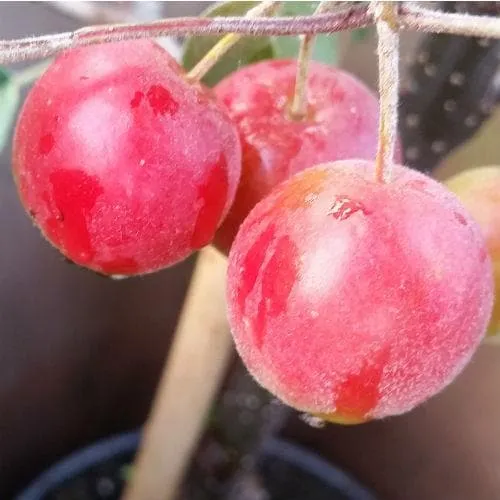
x: 196, y: 364
x: 219, y: 49
x: 299, y: 103
x: 388, y: 64
x: 44, y: 46
x: 417, y: 18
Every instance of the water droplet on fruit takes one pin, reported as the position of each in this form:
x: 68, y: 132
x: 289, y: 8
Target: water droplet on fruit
x: 46, y: 144
x: 118, y: 277
x: 312, y: 421
x: 142, y: 163
x: 460, y: 218
x: 161, y: 100
x: 343, y: 207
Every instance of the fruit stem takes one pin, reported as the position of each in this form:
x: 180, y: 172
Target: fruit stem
x: 266, y: 8
x: 298, y: 109
x: 385, y: 14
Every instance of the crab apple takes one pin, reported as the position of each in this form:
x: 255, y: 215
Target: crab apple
x: 353, y: 299
x: 123, y: 164
x: 479, y: 191
x: 341, y: 123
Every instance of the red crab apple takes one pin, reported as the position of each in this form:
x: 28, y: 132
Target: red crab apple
x: 479, y: 191
x: 125, y: 166
x: 356, y: 300
x: 341, y: 123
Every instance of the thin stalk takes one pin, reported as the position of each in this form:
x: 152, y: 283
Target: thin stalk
x: 388, y: 64
x: 299, y: 104
x: 219, y: 49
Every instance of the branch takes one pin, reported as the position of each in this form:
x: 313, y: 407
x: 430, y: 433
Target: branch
x: 45, y: 46
x: 417, y: 18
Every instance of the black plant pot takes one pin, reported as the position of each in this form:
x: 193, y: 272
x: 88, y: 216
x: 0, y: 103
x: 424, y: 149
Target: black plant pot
x: 99, y: 472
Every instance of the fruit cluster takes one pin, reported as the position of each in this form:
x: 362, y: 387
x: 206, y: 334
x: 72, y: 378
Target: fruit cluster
x: 348, y: 298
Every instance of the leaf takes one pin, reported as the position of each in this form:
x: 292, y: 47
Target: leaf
x: 325, y: 46
x: 10, y: 97
x: 361, y: 34
x: 252, y: 49
x: 245, y: 51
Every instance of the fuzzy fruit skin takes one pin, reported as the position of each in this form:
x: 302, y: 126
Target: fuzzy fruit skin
x: 341, y: 123
x: 125, y: 166
x: 356, y: 300
x: 479, y: 190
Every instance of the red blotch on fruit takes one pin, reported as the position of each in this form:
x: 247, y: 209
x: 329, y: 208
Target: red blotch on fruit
x: 46, y: 144
x: 251, y: 266
x: 74, y: 194
x: 360, y: 392
x: 161, y: 100
x: 137, y: 99
x: 212, y: 195
x: 278, y: 279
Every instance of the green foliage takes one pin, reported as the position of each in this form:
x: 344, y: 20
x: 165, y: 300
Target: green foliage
x: 252, y: 49
x: 361, y: 34
x: 245, y: 51
x: 10, y: 97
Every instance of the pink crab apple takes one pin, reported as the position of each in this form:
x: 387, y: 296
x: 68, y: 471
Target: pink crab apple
x: 341, y: 123
x: 479, y: 191
x: 124, y: 165
x: 356, y: 300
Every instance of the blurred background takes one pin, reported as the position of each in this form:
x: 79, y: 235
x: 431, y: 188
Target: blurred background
x: 80, y: 355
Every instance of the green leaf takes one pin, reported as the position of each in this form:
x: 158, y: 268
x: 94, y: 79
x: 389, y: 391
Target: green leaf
x: 253, y: 49
x: 361, y: 34
x: 325, y: 47
x: 10, y: 97
x: 245, y: 51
